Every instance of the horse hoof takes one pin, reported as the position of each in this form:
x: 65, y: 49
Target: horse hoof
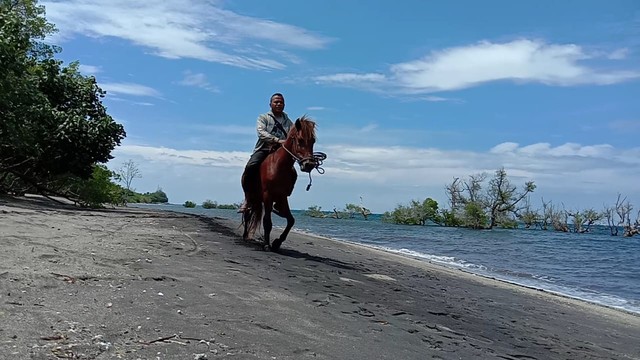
x: 275, y: 246
x: 266, y: 247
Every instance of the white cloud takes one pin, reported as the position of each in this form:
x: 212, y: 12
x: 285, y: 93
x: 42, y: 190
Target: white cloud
x: 187, y: 29
x: 316, y: 108
x: 462, y: 67
x: 369, y: 128
x: 618, y: 54
x: 436, y: 99
x: 351, y: 78
x: 198, y: 80
x: 503, y: 148
x: 89, y: 69
x: 186, y: 157
x: 578, y: 175
x: 129, y: 89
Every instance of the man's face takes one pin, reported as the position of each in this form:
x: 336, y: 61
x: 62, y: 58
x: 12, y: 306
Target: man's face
x: 277, y: 104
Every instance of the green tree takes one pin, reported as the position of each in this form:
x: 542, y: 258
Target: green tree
x: 403, y: 215
x: 97, y: 190
x: 54, y: 125
x: 449, y: 218
x: 558, y: 218
x: 457, y: 200
x: 582, y: 220
x: 189, y: 204
x: 472, y: 207
x: 228, y: 206
x: 208, y: 204
x: 502, y: 197
x: 158, y: 197
x: 352, y: 210
x: 427, y: 211
x: 529, y: 216
x: 416, y: 213
x: 474, y: 216
x: 315, y: 211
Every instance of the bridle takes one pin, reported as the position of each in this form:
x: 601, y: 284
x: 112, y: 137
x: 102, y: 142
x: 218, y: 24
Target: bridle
x: 317, y: 157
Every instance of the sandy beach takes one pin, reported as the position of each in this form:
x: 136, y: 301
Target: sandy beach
x: 141, y: 284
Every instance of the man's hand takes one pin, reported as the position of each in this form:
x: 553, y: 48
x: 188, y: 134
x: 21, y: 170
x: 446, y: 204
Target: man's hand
x: 281, y: 142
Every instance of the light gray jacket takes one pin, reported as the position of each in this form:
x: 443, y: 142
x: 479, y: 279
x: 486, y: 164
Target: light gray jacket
x: 268, y: 132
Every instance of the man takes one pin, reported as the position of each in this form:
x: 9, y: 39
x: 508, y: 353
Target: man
x: 272, y: 129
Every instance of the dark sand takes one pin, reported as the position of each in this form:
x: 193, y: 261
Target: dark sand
x: 137, y: 284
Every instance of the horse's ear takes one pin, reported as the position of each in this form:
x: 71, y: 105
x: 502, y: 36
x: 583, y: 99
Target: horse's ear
x: 298, y: 124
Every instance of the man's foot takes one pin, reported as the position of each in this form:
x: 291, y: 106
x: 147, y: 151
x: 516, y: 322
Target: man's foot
x: 243, y: 207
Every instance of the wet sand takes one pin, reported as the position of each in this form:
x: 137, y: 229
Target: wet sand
x: 140, y: 284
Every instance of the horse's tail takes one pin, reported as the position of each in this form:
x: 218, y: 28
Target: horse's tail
x: 255, y: 215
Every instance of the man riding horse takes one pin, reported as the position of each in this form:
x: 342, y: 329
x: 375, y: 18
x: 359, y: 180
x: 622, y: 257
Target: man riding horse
x: 272, y: 128
x: 270, y: 176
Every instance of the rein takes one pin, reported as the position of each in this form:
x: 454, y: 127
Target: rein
x: 318, y: 157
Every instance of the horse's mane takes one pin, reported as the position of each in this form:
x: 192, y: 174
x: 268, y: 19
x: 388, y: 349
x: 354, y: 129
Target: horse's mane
x: 307, y: 128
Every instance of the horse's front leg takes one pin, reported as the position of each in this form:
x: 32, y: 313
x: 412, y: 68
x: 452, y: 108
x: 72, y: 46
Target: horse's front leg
x: 285, y: 212
x: 266, y: 222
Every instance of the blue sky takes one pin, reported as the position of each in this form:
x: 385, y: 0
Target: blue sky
x: 407, y: 95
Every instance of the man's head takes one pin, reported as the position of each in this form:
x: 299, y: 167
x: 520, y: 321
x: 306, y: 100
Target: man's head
x: 277, y: 103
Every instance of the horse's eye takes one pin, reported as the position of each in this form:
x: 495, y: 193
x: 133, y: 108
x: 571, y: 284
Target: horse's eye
x: 300, y: 142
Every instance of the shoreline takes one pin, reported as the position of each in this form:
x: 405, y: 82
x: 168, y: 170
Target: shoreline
x: 475, y: 276
x: 493, y: 278
x: 444, y: 266
x: 137, y: 283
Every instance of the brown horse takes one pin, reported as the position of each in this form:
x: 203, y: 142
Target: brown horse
x: 276, y: 181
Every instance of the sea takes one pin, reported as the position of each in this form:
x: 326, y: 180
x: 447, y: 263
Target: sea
x: 595, y: 267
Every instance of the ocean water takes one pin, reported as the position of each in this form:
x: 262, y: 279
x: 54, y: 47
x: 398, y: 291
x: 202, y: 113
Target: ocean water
x: 594, y: 267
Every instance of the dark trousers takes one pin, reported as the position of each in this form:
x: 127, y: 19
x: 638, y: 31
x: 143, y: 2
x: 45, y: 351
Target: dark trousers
x: 256, y: 159
x: 252, y: 169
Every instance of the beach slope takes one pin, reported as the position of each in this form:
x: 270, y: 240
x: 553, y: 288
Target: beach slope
x: 139, y: 284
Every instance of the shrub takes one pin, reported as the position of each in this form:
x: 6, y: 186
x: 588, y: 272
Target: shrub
x: 208, y: 204
x: 96, y: 190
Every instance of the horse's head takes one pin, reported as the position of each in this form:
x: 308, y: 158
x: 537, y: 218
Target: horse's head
x: 300, y: 141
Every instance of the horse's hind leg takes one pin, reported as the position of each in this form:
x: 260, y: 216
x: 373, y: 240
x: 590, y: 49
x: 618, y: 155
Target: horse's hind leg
x: 285, y: 212
x: 246, y: 216
x: 267, y: 223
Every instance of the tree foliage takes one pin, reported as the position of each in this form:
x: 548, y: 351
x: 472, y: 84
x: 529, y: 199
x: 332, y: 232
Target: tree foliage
x: 503, y: 197
x: 209, y: 204
x: 97, y: 190
x: 583, y: 220
x: 156, y: 197
x: 353, y: 209
x: 474, y: 206
x: 529, y: 216
x: 474, y: 216
x: 350, y: 211
x: 416, y: 213
x: 620, y: 215
x: 54, y: 127
x: 315, y: 211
